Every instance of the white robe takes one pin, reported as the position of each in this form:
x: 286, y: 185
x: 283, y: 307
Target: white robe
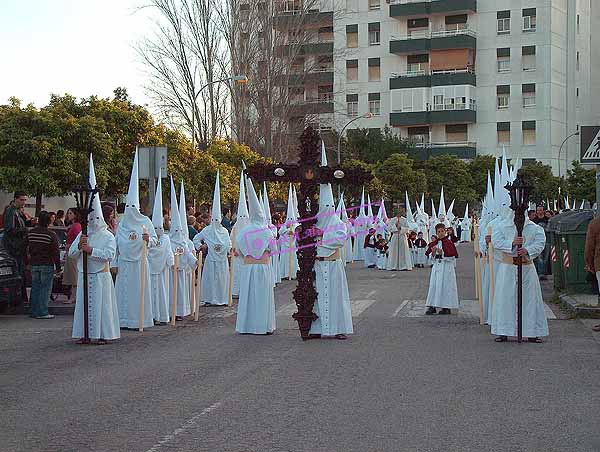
x: 186, y: 263
x: 275, y: 257
x: 215, y: 272
x: 370, y: 254
x: 238, y: 261
x: 504, y: 317
x: 347, y: 251
x: 333, y: 299
x: 256, y: 306
x: 128, y: 284
x: 465, y: 230
x: 360, y: 230
x: 103, y: 314
x: 161, y: 260
x: 443, y: 292
x: 399, y: 253
x: 287, y: 253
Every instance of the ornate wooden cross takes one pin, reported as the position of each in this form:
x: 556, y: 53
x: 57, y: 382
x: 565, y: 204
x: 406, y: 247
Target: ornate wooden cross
x: 310, y: 175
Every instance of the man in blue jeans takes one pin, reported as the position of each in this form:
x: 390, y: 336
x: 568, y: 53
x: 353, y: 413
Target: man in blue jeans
x: 44, y: 257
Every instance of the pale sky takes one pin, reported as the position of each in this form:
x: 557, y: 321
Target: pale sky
x: 80, y: 47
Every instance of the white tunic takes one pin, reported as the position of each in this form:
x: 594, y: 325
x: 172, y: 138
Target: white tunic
x: 333, y: 299
x: 238, y: 261
x: 370, y: 254
x: 161, y: 260
x: 504, y: 317
x: 399, y: 253
x: 256, y: 306
x: 361, y: 229
x: 443, y: 292
x: 465, y: 230
x: 129, y: 283
x: 215, y: 273
x: 287, y: 253
x: 186, y: 263
x: 347, y: 251
x: 103, y: 314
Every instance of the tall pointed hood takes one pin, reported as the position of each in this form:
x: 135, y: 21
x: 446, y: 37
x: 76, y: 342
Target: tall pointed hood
x: 177, y: 234
x: 326, y: 216
x: 342, y: 209
x: 133, y: 217
x: 442, y: 206
x: 362, y: 211
x: 450, y: 214
x: 433, y: 211
x: 257, y: 213
x: 384, y: 214
x: 157, y: 215
x: 182, y: 207
x: 369, y: 208
x: 323, y: 154
x: 466, y: 216
x: 409, y: 213
x: 291, y: 212
x: 295, y: 203
x: 242, y: 210
x: 96, y: 221
x: 267, y: 204
x: 216, y: 215
x: 504, y: 175
x: 422, y: 202
x: 497, y: 184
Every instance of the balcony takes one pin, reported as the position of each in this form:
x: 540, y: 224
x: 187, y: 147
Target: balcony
x: 466, y: 150
x: 425, y: 41
x: 306, y: 48
x: 427, y: 79
x: 440, y: 114
x: 322, y: 76
x: 312, y: 105
x: 406, y: 8
x: 302, y: 17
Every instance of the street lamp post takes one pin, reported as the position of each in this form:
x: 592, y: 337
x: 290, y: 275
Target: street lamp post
x: 574, y: 134
x: 239, y: 79
x: 365, y: 116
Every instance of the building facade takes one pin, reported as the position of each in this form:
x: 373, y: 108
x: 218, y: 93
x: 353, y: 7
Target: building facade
x: 460, y: 77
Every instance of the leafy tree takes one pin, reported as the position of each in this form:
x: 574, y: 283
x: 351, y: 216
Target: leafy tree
x: 453, y: 174
x: 478, y: 168
x: 374, y: 145
x: 544, y: 185
x: 581, y: 183
x: 398, y: 176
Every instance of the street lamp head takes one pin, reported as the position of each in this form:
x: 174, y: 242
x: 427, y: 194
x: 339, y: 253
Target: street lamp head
x: 240, y: 79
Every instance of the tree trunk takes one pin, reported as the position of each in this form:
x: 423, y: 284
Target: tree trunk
x: 38, y: 203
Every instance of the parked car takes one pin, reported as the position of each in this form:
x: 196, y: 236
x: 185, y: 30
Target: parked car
x: 10, y: 282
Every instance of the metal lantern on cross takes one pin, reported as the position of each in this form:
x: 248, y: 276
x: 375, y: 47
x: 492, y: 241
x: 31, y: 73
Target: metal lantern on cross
x: 84, y: 197
x: 519, y: 203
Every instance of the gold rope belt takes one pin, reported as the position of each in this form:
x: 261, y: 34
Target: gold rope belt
x: 332, y: 257
x: 265, y: 259
x: 509, y: 259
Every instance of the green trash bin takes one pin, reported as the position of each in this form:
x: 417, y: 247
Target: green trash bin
x: 555, y: 249
x: 570, y: 233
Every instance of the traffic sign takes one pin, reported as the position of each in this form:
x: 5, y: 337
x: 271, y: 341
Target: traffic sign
x: 590, y: 144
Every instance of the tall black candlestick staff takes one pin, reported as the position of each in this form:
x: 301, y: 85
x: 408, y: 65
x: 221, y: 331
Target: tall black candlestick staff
x: 519, y: 202
x: 84, y: 196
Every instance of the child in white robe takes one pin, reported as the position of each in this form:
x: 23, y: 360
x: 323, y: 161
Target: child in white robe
x: 443, y: 292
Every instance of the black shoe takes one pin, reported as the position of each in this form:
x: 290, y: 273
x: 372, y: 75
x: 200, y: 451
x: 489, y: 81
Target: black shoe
x: 371, y: 266
x: 430, y: 310
x: 445, y: 311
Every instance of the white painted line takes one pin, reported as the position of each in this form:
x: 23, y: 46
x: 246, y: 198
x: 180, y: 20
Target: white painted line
x: 399, y: 308
x: 184, y: 427
x: 359, y: 306
x: 370, y: 294
x: 549, y: 313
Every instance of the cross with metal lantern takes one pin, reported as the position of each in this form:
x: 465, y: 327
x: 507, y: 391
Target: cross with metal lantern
x: 309, y: 174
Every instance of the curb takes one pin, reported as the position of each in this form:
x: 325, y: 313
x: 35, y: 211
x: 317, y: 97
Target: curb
x: 579, y: 310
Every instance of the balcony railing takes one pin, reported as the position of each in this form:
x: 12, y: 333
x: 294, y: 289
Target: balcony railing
x: 428, y: 34
x: 446, y: 144
x: 324, y: 98
x: 467, y: 70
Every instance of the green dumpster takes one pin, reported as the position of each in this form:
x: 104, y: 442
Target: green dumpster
x: 570, y: 235
x: 555, y: 250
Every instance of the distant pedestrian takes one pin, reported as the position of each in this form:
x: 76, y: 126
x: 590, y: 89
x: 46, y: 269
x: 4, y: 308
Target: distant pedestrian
x: 226, y: 221
x: 44, y: 257
x: 59, y: 221
x: 592, y: 252
x: 15, y: 235
x: 70, y: 272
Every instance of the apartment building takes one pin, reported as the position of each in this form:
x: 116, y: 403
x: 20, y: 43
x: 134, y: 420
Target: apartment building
x: 460, y: 77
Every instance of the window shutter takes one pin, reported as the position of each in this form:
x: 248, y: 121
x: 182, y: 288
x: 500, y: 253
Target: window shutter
x: 503, y: 127
x: 418, y: 23
x: 456, y: 128
x: 374, y: 96
x: 528, y: 50
x: 352, y: 28
x: 504, y: 52
x: 528, y: 12
x: 503, y: 89
x: 351, y: 64
x: 413, y: 59
x: 374, y: 26
x: 528, y: 88
x: 374, y: 62
x: 528, y: 125
x: 351, y: 97
x: 459, y: 19
x: 503, y: 15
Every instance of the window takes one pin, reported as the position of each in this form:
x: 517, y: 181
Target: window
x: 503, y: 131
x: 352, y: 36
x: 418, y: 135
x: 528, y: 58
x: 528, y: 91
x: 578, y: 24
x: 456, y: 133
x: 352, y: 105
x: 375, y: 104
x: 374, y: 34
x: 438, y: 102
x: 577, y: 65
x: 416, y: 64
x: 417, y: 27
x: 529, y: 20
x: 298, y: 66
x: 352, y: 70
x: 325, y: 34
x: 503, y: 59
x: 528, y: 133
x: 503, y: 18
x: 325, y: 93
x: 374, y: 69
x: 502, y: 97
x: 374, y: 4
x: 455, y: 23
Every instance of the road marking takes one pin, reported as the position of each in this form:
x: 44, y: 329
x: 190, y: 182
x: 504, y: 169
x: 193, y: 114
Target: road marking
x: 399, y: 308
x: 357, y: 306
x: 184, y: 427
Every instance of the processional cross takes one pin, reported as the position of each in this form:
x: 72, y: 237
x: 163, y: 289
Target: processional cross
x: 309, y: 174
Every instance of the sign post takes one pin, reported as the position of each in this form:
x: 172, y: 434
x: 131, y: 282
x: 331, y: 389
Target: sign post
x: 590, y: 154
x: 152, y: 165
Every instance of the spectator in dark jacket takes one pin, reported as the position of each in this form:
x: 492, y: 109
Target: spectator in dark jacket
x: 592, y: 252
x: 44, y: 257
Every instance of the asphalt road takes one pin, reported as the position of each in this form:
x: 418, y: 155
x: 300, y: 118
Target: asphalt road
x: 403, y: 382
